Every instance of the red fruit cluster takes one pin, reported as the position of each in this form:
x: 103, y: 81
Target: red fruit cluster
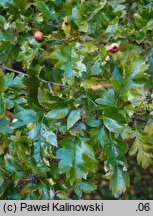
x: 38, y: 36
x: 114, y: 48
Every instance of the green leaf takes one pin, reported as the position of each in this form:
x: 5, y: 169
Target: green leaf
x: 96, y: 68
x: 78, y: 129
x: 86, y: 186
x: 93, y: 122
x: 12, y: 82
x: 24, y: 117
x: 44, y: 134
x: 47, y: 12
x: 75, y: 157
x: 138, y: 19
x: 1, y: 80
x: 108, y: 98
x: 4, y: 2
x: 116, y: 165
x: 119, y: 181
x: 32, y: 90
x: 21, y: 4
x: 48, y: 135
x: 113, y: 125
x: 13, y: 168
x: 84, y: 23
x: 28, y: 53
x: 2, y: 107
x: 84, y: 26
x: 99, y: 8
x: 70, y: 60
x: 4, y: 126
x: 20, y: 146
x: 140, y: 36
x: 58, y: 113
x: 136, y: 68
x: 99, y: 136
x: 69, y: 73
x: 35, y: 161
x: 2, y: 21
x: 73, y: 117
x: 114, y: 27
x: 43, y: 139
x: 115, y: 114
x: 88, y: 47
x: 149, y: 25
x: 2, y: 178
x: 48, y: 100
x: 127, y: 133
x: 117, y: 74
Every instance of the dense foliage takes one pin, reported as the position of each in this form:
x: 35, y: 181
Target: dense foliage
x: 67, y: 104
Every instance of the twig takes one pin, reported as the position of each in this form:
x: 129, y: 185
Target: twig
x: 15, y: 71
x: 53, y: 83
x: 92, y: 101
x: 108, y: 39
x: 140, y: 119
x: 50, y: 88
x: 59, y: 84
x: 45, y: 81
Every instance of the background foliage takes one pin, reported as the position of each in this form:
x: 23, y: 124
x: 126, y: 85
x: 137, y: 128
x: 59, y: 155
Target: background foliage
x: 70, y: 84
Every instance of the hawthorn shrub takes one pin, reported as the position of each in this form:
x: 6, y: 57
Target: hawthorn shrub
x: 68, y: 104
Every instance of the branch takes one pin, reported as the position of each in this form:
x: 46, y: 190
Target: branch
x: 45, y: 81
x: 50, y: 88
x: 15, y: 71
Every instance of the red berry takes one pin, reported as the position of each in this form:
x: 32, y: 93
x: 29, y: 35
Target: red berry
x: 114, y: 48
x: 60, y: 135
x: 38, y: 36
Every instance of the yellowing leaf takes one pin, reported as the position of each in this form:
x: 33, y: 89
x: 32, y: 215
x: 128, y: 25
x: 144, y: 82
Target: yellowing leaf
x: 143, y: 147
x: 2, y: 148
x: 66, y: 27
x: 95, y: 84
x: 31, y: 125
